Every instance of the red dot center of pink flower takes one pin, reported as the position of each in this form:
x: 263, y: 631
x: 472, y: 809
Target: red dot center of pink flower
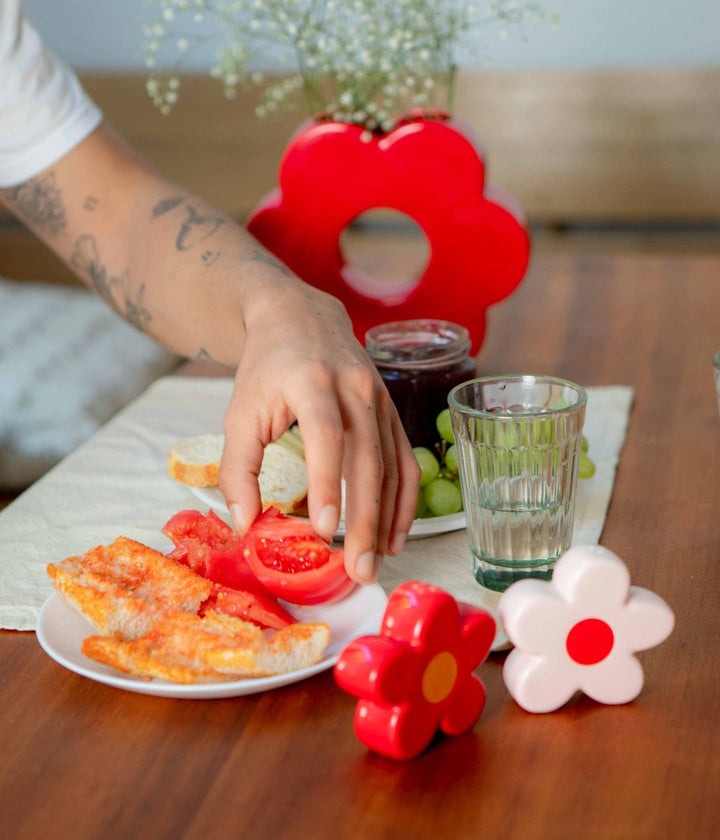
x: 589, y: 641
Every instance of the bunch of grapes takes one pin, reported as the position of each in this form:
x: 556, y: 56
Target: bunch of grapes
x: 440, y: 493
x: 439, y: 483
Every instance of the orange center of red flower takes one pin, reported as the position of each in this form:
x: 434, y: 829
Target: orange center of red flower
x: 589, y: 641
x: 439, y: 677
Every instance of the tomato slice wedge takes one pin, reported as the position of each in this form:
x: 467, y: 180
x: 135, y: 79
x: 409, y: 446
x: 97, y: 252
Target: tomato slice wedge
x: 293, y: 562
x: 262, y: 610
x: 212, y: 549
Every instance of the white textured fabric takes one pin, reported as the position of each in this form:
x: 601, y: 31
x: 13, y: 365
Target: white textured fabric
x: 67, y: 364
x: 44, y: 111
x: 117, y: 484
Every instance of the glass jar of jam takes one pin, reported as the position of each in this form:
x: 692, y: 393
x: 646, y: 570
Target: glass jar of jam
x: 420, y: 361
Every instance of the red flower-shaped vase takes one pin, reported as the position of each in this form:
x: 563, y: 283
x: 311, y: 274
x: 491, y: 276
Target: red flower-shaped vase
x: 427, y: 169
x: 415, y: 677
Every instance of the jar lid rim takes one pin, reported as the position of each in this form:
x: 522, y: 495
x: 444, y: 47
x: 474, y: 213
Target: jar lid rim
x: 420, y: 342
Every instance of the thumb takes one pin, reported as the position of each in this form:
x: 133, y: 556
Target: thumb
x: 238, y: 479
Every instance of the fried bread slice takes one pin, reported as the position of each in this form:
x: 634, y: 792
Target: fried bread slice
x: 185, y: 648
x: 124, y: 588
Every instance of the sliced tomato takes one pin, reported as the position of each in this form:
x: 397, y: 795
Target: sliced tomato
x: 212, y: 549
x: 247, y: 605
x: 293, y: 562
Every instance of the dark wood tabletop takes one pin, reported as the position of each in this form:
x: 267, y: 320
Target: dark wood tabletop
x: 85, y: 760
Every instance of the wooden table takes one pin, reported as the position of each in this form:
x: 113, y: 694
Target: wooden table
x: 82, y: 760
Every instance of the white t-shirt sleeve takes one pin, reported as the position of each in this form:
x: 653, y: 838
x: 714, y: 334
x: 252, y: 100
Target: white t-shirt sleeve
x: 44, y: 111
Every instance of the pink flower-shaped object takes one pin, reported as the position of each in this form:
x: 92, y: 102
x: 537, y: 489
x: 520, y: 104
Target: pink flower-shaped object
x: 579, y: 632
x: 416, y: 676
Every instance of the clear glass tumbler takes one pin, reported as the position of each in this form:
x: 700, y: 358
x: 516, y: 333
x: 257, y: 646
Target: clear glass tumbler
x: 519, y: 441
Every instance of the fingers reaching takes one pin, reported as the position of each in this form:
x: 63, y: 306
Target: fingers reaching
x: 321, y: 429
x: 308, y: 366
x: 240, y: 466
x: 408, y: 485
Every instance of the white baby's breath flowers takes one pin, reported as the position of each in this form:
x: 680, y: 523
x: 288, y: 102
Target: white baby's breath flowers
x: 360, y: 61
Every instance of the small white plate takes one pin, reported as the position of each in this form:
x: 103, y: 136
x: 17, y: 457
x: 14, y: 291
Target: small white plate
x: 213, y: 498
x: 61, y: 630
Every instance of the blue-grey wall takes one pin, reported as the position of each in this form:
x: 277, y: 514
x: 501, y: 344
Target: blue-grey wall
x: 97, y: 35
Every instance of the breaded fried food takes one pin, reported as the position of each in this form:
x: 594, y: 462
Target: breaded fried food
x: 124, y: 588
x: 185, y: 648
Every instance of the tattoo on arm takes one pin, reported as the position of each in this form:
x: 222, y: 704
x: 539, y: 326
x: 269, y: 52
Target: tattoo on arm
x: 115, y: 290
x: 204, y: 356
x: 39, y: 202
x: 196, y: 228
x: 85, y: 259
x: 135, y: 311
x: 256, y: 255
x: 90, y: 203
x: 166, y: 205
x: 209, y: 257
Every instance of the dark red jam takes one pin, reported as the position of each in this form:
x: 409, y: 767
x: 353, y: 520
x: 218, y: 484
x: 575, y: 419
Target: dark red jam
x: 420, y: 361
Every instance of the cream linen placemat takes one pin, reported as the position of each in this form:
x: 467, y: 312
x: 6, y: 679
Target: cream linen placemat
x: 117, y: 484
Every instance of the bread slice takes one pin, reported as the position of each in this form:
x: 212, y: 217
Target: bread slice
x: 283, y: 480
x: 195, y: 461
x: 293, y: 648
x: 124, y: 588
x: 184, y: 648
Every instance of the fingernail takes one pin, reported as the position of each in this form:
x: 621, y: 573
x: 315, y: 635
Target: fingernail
x: 398, y: 541
x: 365, y: 567
x: 327, y: 520
x: 238, y: 517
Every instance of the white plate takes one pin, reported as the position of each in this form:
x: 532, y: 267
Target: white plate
x: 213, y: 498
x: 61, y: 630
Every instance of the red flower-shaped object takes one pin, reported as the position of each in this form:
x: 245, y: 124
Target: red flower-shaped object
x: 416, y: 676
x: 429, y: 170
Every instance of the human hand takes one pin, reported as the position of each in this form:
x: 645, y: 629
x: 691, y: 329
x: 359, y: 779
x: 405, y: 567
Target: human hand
x: 301, y: 362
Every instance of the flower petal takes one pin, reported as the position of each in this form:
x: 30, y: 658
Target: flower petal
x: 378, y: 669
x: 593, y: 579
x: 396, y: 731
x: 539, y: 684
x: 464, y: 707
x: 477, y: 633
x: 645, y: 622
x: 423, y: 615
x: 534, y: 616
x: 617, y: 679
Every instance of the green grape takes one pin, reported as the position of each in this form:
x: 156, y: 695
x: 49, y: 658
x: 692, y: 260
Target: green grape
x: 451, y: 458
x: 584, y: 445
x: 421, y: 509
x: 429, y: 464
x: 443, y: 497
x: 444, y: 426
x: 586, y: 467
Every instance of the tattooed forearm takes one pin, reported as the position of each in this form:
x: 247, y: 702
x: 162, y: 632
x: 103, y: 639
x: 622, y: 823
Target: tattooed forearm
x: 256, y: 255
x: 115, y: 290
x: 196, y: 228
x: 90, y: 203
x: 165, y: 206
x: 39, y: 202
